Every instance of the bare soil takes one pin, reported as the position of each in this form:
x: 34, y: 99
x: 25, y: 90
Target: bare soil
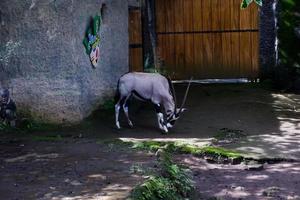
x: 78, y: 167
x: 72, y: 169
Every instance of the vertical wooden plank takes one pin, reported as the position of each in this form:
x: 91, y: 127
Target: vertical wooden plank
x: 245, y: 54
x: 197, y: 15
x: 207, y: 15
x: 135, y: 27
x: 255, y: 54
x: 198, y: 69
x: 178, y: 13
x: 188, y: 21
x: 254, y: 42
x: 160, y: 15
x: 245, y: 19
x: 225, y: 25
x: 207, y: 54
x: 160, y: 28
x: 217, y: 54
x: 217, y: 37
x: 188, y: 24
x: 227, y: 68
x: 225, y: 15
x: 161, y: 48
x: 254, y: 16
x: 216, y: 14
x: 189, y: 54
x: 135, y: 38
x: 136, y: 59
x: 235, y: 54
x: 245, y: 43
x: 179, y: 39
x: 235, y: 14
x: 170, y: 12
x: 198, y: 41
x: 169, y: 38
x: 235, y: 37
x: 170, y: 54
x: 179, y: 56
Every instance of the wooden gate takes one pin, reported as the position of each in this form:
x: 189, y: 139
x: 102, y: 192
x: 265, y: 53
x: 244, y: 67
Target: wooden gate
x: 207, y: 38
x: 135, y: 39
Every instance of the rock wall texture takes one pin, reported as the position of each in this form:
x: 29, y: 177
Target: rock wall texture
x: 268, y: 42
x: 43, y: 61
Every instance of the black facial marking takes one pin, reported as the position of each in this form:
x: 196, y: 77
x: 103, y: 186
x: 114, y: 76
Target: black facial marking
x: 172, y: 122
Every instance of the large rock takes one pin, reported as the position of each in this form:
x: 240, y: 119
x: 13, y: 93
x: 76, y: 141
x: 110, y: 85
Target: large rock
x: 43, y: 61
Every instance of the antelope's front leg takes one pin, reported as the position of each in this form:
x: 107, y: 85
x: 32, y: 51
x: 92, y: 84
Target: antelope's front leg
x: 160, y: 119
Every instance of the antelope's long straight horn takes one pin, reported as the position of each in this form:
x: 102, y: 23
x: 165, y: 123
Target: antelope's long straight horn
x: 173, y: 93
x: 185, y: 95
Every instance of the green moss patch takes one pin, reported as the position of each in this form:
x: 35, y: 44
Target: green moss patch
x: 212, y: 153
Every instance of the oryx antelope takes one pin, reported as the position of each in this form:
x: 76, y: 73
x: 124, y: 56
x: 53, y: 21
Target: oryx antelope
x: 149, y: 87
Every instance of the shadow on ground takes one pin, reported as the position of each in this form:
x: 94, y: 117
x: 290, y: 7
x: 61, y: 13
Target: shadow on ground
x: 270, y: 120
x: 72, y: 169
x: 76, y: 167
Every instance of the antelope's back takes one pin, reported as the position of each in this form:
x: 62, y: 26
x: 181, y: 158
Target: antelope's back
x: 146, y: 84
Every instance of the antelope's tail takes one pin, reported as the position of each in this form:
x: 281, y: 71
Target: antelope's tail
x: 117, y: 94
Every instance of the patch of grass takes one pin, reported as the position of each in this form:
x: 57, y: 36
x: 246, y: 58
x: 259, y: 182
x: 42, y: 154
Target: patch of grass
x: 108, y: 105
x: 173, y: 182
x: 155, y: 188
x: 218, y: 151
x: 26, y: 125
x: 46, y: 138
x: 5, y: 127
x: 33, y: 126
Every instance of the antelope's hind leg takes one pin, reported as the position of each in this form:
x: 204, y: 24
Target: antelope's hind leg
x: 125, y: 108
x: 117, y: 111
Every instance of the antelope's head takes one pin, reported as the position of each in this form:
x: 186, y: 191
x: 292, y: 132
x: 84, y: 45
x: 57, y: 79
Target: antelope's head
x: 174, y: 115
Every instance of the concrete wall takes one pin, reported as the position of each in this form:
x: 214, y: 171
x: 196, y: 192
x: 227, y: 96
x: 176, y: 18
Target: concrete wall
x: 43, y: 61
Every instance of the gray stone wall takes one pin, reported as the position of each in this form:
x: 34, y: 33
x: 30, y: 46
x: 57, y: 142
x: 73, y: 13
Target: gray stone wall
x: 268, y: 46
x: 43, y: 61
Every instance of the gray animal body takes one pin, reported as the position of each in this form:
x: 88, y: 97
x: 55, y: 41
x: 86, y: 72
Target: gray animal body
x: 148, y: 87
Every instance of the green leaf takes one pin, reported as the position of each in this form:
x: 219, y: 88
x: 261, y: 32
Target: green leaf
x: 86, y: 45
x: 246, y: 3
x: 96, y: 24
x: 258, y: 2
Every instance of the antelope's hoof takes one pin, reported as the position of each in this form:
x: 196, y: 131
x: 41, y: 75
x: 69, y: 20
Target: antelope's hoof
x: 165, y: 129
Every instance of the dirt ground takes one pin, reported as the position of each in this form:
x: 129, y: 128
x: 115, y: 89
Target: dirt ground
x: 79, y: 167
